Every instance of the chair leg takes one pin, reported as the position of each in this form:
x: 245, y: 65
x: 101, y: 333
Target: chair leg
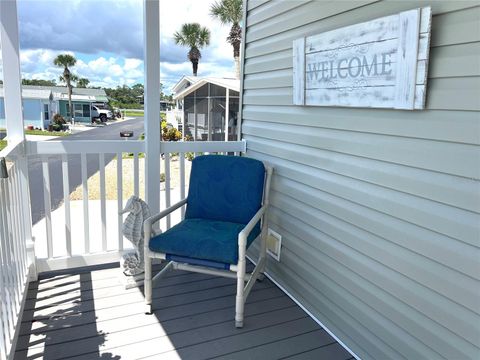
x: 148, y: 284
x: 240, y: 301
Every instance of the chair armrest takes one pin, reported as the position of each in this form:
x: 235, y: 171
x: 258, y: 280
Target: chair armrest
x: 243, y: 235
x: 148, y: 222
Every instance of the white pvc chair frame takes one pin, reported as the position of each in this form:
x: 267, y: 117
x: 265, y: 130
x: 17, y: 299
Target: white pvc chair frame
x: 237, y: 271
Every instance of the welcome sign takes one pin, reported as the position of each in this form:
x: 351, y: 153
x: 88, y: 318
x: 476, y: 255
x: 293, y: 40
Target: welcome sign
x: 381, y: 63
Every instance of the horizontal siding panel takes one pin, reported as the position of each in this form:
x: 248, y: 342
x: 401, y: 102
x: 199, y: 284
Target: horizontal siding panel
x: 340, y: 199
x: 456, y: 27
x: 297, y: 16
x: 425, y: 154
x: 272, y: 8
x: 269, y: 62
x: 281, y: 96
x: 455, y: 61
x: 402, y: 315
x: 454, y: 94
x: 409, y: 233
x: 271, y: 79
x: 283, y: 40
x: 253, y: 4
x: 451, y: 190
x: 357, y: 251
x: 407, y: 255
x: 458, y: 126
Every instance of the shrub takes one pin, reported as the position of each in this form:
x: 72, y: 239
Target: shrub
x: 58, y: 119
x: 171, y: 134
x: 189, y: 156
x: 162, y: 177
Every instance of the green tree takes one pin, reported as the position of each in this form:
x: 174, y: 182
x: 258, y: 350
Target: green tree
x: 39, y: 82
x: 82, y: 83
x: 230, y: 12
x: 195, y: 37
x: 65, y: 61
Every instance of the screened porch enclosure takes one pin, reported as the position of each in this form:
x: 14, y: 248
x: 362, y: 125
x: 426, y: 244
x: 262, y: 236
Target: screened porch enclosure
x: 205, y: 111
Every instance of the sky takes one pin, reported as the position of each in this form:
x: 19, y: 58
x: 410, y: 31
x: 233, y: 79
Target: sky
x: 106, y: 37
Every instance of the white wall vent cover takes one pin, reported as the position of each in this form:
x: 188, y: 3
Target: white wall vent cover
x: 274, y: 244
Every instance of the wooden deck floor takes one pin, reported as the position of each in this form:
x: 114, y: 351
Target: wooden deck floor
x: 87, y: 314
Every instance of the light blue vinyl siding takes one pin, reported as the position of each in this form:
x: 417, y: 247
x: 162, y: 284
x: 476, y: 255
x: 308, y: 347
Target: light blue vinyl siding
x: 379, y: 209
x: 32, y: 112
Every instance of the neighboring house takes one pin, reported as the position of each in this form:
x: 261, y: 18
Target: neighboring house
x: 37, y: 104
x: 40, y: 103
x: 82, y: 99
x: 378, y: 208
x: 206, y: 103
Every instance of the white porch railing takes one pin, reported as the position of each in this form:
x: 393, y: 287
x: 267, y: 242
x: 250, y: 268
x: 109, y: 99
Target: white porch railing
x: 61, y: 240
x: 14, y: 261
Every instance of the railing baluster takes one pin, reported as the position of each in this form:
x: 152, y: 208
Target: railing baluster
x: 136, y: 172
x: 14, y: 240
x: 103, y: 197
x: 18, y: 232
x: 120, y: 199
x: 23, y: 244
x: 66, y: 204
x: 3, y: 315
x: 4, y: 329
x: 47, y: 205
x: 7, y: 260
x: 86, y: 225
x: 182, y: 181
x: 167, y: 187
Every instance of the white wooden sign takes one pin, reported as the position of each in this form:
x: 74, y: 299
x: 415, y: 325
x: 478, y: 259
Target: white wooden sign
x: 381, y: 63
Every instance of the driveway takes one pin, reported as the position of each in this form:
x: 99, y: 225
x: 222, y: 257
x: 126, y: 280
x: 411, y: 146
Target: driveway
x: 108, y: 132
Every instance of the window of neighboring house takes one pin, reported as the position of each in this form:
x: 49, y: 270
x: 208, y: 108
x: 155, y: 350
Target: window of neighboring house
x: 86, y: 110
x: 77, y: 110
x: 46, y: 112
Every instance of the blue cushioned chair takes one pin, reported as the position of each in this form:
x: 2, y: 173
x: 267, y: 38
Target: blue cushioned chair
x: 225, y: 212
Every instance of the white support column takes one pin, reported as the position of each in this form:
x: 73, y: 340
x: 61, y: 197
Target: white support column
x: 13, y: 112
x: 151, y: 33
x: 11, y: 71
x: 183, y: 119
x: 227, y: 112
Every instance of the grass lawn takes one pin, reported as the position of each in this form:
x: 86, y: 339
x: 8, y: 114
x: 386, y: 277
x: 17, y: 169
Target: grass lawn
x: 134, y: 113
x: 47, y: 133
x: 3, y: 144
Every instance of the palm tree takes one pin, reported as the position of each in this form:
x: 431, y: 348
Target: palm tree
x: 194, y: 36
x: 82, y: 83
x: 66, y: 60
x: 230, y: 12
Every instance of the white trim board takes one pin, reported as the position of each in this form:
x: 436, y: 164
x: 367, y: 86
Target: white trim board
x: 280, y: 286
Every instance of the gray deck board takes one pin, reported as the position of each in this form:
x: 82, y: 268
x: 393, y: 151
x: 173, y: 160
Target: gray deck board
x: 87, y: 314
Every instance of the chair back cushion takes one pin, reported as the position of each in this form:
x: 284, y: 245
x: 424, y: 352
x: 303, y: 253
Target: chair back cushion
x: 225, y: 188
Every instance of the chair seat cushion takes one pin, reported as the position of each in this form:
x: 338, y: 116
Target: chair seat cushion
x: 203, y: 239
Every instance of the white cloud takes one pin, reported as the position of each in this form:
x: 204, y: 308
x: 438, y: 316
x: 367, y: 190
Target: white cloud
x: 108, y: 36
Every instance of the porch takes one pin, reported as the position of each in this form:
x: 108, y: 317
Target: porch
x: 87, y: 314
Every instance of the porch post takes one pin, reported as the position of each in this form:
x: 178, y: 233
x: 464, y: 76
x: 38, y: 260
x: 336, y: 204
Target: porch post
x: 151, y: 33
x: 14, y: 115
x: 11, y: 71
x: 227, y: 113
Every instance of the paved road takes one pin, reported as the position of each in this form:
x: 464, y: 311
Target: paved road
x: 108, y: 132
